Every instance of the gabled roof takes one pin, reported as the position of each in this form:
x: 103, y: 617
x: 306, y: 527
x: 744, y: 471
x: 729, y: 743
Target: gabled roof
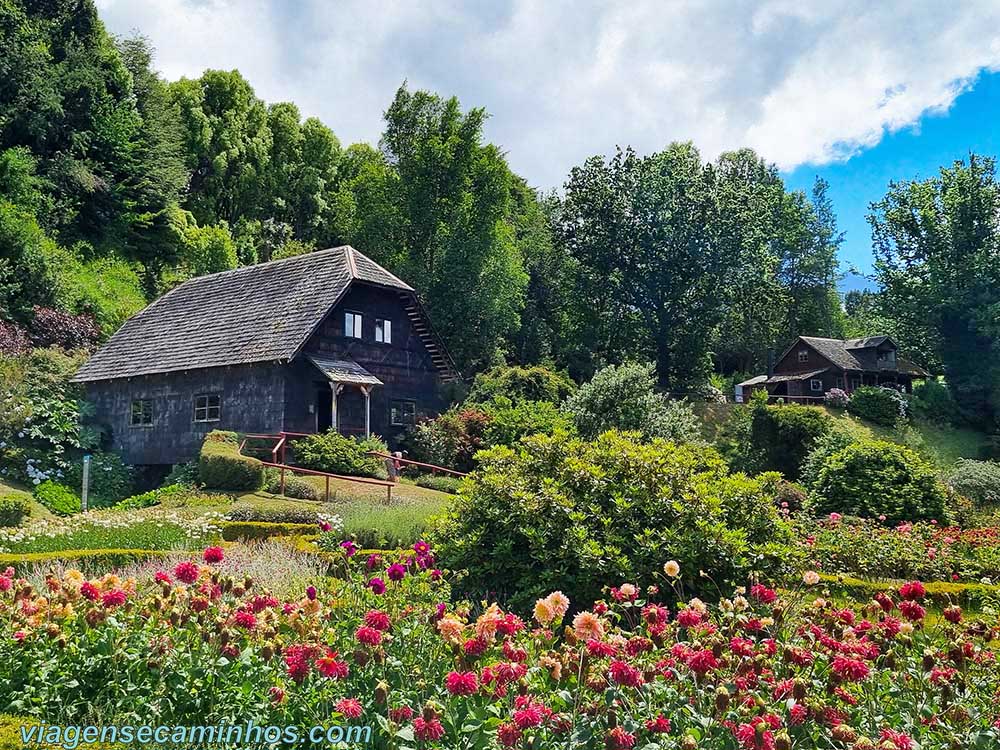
x: 343, y: 370
x: 259, y: 313
x: 836, y: 351
x: 783, y: 377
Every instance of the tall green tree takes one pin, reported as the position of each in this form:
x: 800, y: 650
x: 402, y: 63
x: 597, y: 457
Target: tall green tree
x: 437, y: 208
x: 937, y: 245
x: 641, y: 230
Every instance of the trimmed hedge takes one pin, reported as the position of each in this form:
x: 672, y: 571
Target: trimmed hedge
x: 10, y: 735
x: 449, y: 484
x: 58, y: 498
x: 247, y: 530
x: 878, y: 404
x: 785, y: 434
x: 110, y: 557
x: 222, y: 467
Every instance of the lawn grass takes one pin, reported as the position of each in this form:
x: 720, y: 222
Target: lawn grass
x: 8, y: 488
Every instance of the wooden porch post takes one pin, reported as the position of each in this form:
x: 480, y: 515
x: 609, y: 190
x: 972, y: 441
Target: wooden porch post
x: 335, y: 388
x: 367, y: 390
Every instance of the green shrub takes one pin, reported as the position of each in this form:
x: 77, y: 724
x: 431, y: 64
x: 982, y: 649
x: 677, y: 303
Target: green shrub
x: 336, y: 454
x: 509, y: 422
x: 440, y: 482
x: 931, y: 401
x: 881, y: 405
x: 295, y: 487
x: 250, y: 530
x: 783, y: 435
x: 518, y: 384
x: 557, y: 512
x: 13, y: 510
x: 153, y: 497
x: 110, y: 479
x: 88, y: 559
x: 186, y: 474
x: 452, y: 439
x: 58, y: 498
x: 625, y: 398
x: 977, y: 480
x: 823, y: 447
x: 876, y: 478
x: 221, y: 467
x: 250, y: 513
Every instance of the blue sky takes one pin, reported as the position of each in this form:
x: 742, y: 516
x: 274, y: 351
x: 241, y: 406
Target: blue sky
x: 915, y: 152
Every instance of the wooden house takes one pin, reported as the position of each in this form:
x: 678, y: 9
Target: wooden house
x: 812, y: 366
x: 328, y: 339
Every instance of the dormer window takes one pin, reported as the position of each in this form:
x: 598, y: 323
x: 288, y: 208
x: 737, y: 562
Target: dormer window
x: 352, y: 325
x: 803, y: 355
x: 383, y: 331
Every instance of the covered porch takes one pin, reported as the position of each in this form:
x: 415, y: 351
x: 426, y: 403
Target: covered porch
x: 345, y: 405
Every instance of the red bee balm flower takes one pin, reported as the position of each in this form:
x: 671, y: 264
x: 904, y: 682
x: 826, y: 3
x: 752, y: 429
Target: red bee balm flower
x: 214, y: 555
x: 378, y: 620
x: 914, y: 591
x: 186, y: 572
x: 113, y: 598
x: 625, y: 674
x: 427, y: 731
x: 349, y: 707
x: 461, y: 683
x: 659, y: 725
x: 328, y: 666
x: 508, y: 734
x: 368, y: 636
x: 850, y: 670
x: 619, y: 739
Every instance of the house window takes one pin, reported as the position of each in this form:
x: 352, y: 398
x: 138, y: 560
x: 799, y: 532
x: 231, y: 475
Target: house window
x: 352, y: 325
x: 803, y: 355
x: 207, y: 407
x: 402, y: 413
x: 141, y: 414
x: 383, y: 331
x: 816, y: 385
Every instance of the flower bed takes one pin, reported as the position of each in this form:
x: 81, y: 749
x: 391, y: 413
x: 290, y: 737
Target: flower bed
x: 379, y: 645
x: 863, y: 548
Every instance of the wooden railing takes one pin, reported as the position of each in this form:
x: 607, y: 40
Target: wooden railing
x: 409, y: 462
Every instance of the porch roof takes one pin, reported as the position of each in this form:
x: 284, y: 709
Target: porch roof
x: 343, y: 370
x: 795, y: 376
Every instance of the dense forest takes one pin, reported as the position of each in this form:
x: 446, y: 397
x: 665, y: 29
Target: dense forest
x: 116, y: 185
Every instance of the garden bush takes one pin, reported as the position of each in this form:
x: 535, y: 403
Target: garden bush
x: 836, y: 398
x: 452, y: 439
x: 823, y: 447
x: 625, y: 398
x: 295, y: 487
x: 221, y: 467
x: 110, y: 479
x: 518, y: 384
x: 783, y: 435
x: 931, y: 401
x: 50, y: 327
x: 560, y: 512
x: 58, y: 498
x: 13, y: 510
x: 881, y: 405
x: 252, y: 530
x: 977, y: 480
x: 879, y: 479
x: 251, y: 513
x: 509, y: 421
x: 153, y: 497
x: 336, y: 454
x: 186, y: 474
x: 440, y: 482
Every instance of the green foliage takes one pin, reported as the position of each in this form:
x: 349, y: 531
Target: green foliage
x: 518, y: 384
x: 108, y: 288
x: 873, y: 479
x: 295, y: 487
x: 784, y: 434
x: 624, y: 398
x: 13, y: 510
x: 937, y: 246
x: 440, y: 482
x: 154, y: 497
x: 221, y: 467
x: 931, y: 401
x: 977, y: 480
x: 58, y: 498
x: 110, y: 479
x: 452, y: 439
x: 336, y: 454
x: 509, y: 422
x: 252, y: 530
x: 557, y: 512
x: 822, y: 448
x: 183, y: 474
x: 884, y: 406
x: 26, y: 277
x: 208, y: 250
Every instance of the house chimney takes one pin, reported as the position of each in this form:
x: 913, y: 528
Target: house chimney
x: 770, y: 361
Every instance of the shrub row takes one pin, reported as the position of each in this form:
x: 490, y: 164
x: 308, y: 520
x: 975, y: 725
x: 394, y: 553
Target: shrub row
x: 222, y: 467
x: 96, y: 557
x: 972, y: 596
x: 247, y: 530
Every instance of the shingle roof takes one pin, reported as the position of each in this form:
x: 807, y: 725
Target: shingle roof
x: 795, y: 376
x: 253, y: 314
x: 835, y: 351
x: 343, y: 370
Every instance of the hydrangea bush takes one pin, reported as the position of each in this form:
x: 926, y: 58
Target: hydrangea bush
x: 379, y: 645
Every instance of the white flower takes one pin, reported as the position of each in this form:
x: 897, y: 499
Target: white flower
x: 810, y: 578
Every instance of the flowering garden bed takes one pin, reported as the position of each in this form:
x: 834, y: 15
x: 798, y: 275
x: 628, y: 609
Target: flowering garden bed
x: 379, y: 644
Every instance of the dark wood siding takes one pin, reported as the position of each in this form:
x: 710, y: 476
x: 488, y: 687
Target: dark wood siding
x: 404, y: 365
x: 790, y: 362
x: 252, y: 400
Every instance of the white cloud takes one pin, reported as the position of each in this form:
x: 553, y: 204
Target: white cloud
x: 803, y: 83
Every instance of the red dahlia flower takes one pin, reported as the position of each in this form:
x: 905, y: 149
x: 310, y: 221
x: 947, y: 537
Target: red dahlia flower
x: 461, y: 683
x: 427, y: 731
x: 619, y: 739
x: 508, y: 734
x: 349, y: 707
x: 368, y: 636
x: 187, y: 571
x: 914, y: 591
x: 214, y: 555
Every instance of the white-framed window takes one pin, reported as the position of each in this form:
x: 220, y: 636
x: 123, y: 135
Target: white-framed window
x: 803, y: 355
x: 816, y: 385
x: 141, y: 413
x: 383, y: 331
x: 352, y: 325
x: 402, y: 413
x: 207, y: 407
